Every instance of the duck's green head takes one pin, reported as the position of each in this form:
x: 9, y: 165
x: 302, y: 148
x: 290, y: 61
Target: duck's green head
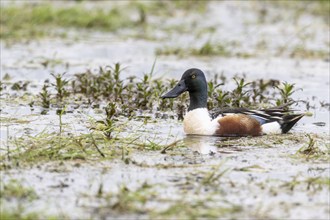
x: 193, y: 81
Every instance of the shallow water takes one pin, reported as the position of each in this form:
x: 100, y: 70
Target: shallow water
x: 263, y: 175
x: 256, y: 175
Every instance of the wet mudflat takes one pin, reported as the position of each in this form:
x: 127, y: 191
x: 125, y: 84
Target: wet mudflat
x: 89, y: 145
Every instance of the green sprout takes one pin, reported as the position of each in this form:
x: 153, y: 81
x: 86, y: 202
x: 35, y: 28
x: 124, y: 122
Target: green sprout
x: 60, y: 86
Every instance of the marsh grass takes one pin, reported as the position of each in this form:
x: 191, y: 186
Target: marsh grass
x: 262, y: 141
x: 169, y: 8
x: 199, y: 209
x: 12, y: 120
x: 33, y: 21
x: 19, y: 213
x: 317, y: 8
x: 301, y: 52
x: 314, y: 149
x: 132, y: 200
x: 207, y: 49
x: 126, y: 200
x: 210, y: 49
x: 213, y: 177
x: 21, y: 210
x: 46, y: 19
x: 53, y: 147
x: 15, y: 189
x: 102, y: 142
x: 310, y: 184
x: 140, y: 200
x: 152, y: 146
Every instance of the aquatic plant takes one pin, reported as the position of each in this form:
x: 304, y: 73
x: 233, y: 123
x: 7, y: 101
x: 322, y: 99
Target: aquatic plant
x: 129, y: 94
x: 144, y: 92
x: 44, y: 95
x: 286, y: 90
x: 108, y: 123
x: 106, y: 84
x: 133, y: 95
x: 260, y: 90
x: 20, y: 86
x: 60, y: 86
x: 240, y: 95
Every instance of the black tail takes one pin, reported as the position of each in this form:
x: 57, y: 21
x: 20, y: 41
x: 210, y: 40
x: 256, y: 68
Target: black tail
x: 288, y: 121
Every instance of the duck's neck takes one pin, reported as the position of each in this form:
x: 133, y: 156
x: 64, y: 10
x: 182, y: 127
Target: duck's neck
x: 197, y: 100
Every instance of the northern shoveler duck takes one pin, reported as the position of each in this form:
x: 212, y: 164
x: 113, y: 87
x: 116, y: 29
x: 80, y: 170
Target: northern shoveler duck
x: 228, y: 122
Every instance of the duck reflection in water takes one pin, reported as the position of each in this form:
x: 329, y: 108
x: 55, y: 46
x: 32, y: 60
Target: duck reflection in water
x: 202, y: 144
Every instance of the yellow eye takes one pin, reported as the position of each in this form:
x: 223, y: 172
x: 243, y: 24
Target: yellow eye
x: 193, y: 76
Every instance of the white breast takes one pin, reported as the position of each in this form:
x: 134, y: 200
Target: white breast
x: 198, y: 121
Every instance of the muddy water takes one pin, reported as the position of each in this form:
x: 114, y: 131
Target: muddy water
x: 263, y: 176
